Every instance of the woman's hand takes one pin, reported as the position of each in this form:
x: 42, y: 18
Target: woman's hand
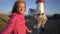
x: 30, y: 31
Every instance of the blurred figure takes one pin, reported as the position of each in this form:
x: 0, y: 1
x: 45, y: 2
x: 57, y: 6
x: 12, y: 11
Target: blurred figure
x: 17, y: 20
x: 41, y: 21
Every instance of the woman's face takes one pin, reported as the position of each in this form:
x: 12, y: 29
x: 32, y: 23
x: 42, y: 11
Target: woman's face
x: 21, y: 8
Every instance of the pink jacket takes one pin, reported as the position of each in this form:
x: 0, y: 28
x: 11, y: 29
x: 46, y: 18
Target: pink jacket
x: 16, y: 24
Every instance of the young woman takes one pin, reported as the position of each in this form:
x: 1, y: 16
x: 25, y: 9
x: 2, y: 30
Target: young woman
x: 17, y: 20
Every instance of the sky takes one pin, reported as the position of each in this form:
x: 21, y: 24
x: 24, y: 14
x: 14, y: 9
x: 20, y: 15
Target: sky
x: 50, y: 6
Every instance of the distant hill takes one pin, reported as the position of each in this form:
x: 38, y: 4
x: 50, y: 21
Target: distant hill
x: 3, y: 21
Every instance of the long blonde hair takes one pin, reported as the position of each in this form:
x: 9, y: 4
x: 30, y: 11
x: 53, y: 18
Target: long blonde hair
x: 16, y: 6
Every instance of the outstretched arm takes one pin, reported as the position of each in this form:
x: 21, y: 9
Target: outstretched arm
x: 8, y: 29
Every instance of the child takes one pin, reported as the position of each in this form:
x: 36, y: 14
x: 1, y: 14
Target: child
x: 17, y: 21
